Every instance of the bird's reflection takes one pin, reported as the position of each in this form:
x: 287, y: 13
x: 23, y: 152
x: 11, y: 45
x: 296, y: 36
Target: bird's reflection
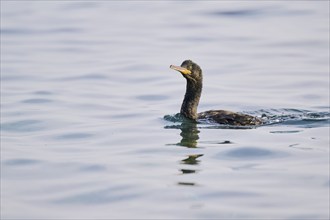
x: 189, y: 134
x: 192, y: 159
x: 189, y: 138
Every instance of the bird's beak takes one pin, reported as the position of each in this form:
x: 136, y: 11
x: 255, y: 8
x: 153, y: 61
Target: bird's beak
x: 181, y: 69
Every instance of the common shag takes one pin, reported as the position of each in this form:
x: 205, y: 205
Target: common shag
x: 193, y: 74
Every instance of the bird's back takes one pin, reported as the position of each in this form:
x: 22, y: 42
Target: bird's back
x: 229, y: 118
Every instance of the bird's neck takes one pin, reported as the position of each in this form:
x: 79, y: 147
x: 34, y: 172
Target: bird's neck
x: 191, y: 100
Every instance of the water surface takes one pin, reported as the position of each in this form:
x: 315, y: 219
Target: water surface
x: 85, y: 86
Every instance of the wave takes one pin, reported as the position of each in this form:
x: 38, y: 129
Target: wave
x: 271, y: 117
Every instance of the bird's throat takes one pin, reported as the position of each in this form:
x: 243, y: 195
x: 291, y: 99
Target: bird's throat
x: 191, y: 100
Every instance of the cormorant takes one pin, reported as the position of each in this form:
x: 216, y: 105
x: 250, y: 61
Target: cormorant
x: 193, y: 74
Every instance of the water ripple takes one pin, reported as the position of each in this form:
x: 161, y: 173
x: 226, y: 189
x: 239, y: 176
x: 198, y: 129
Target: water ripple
x: 42, y: 92
x: 36, y: 101
x: 21, y: 162
x: 229, y: 194
x: 102, y: 196
x: 152, y: 97
x: 250, y: 153
x: 93, y: 168
x: 22, y: 126
x: 286, y: 132
x: 21, y: 31
x: 238, y: 13
x: 252, y: 12
x: 298, y: 117
x: 73, y: 136
x: 92, y: 76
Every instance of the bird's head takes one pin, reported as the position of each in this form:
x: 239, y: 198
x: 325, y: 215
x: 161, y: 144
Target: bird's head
x: 189, y: 70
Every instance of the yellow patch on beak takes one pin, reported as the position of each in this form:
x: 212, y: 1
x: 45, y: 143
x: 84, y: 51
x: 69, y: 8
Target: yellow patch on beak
x: 180, y: 69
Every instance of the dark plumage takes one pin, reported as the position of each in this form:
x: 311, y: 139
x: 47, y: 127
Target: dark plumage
x: 193, y: 74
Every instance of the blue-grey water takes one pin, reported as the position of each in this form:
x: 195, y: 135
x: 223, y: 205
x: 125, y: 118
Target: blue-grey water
x: 88, y: 110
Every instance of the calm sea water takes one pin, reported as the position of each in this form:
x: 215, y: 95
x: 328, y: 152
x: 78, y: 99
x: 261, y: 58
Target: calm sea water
x: 88, y: 102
